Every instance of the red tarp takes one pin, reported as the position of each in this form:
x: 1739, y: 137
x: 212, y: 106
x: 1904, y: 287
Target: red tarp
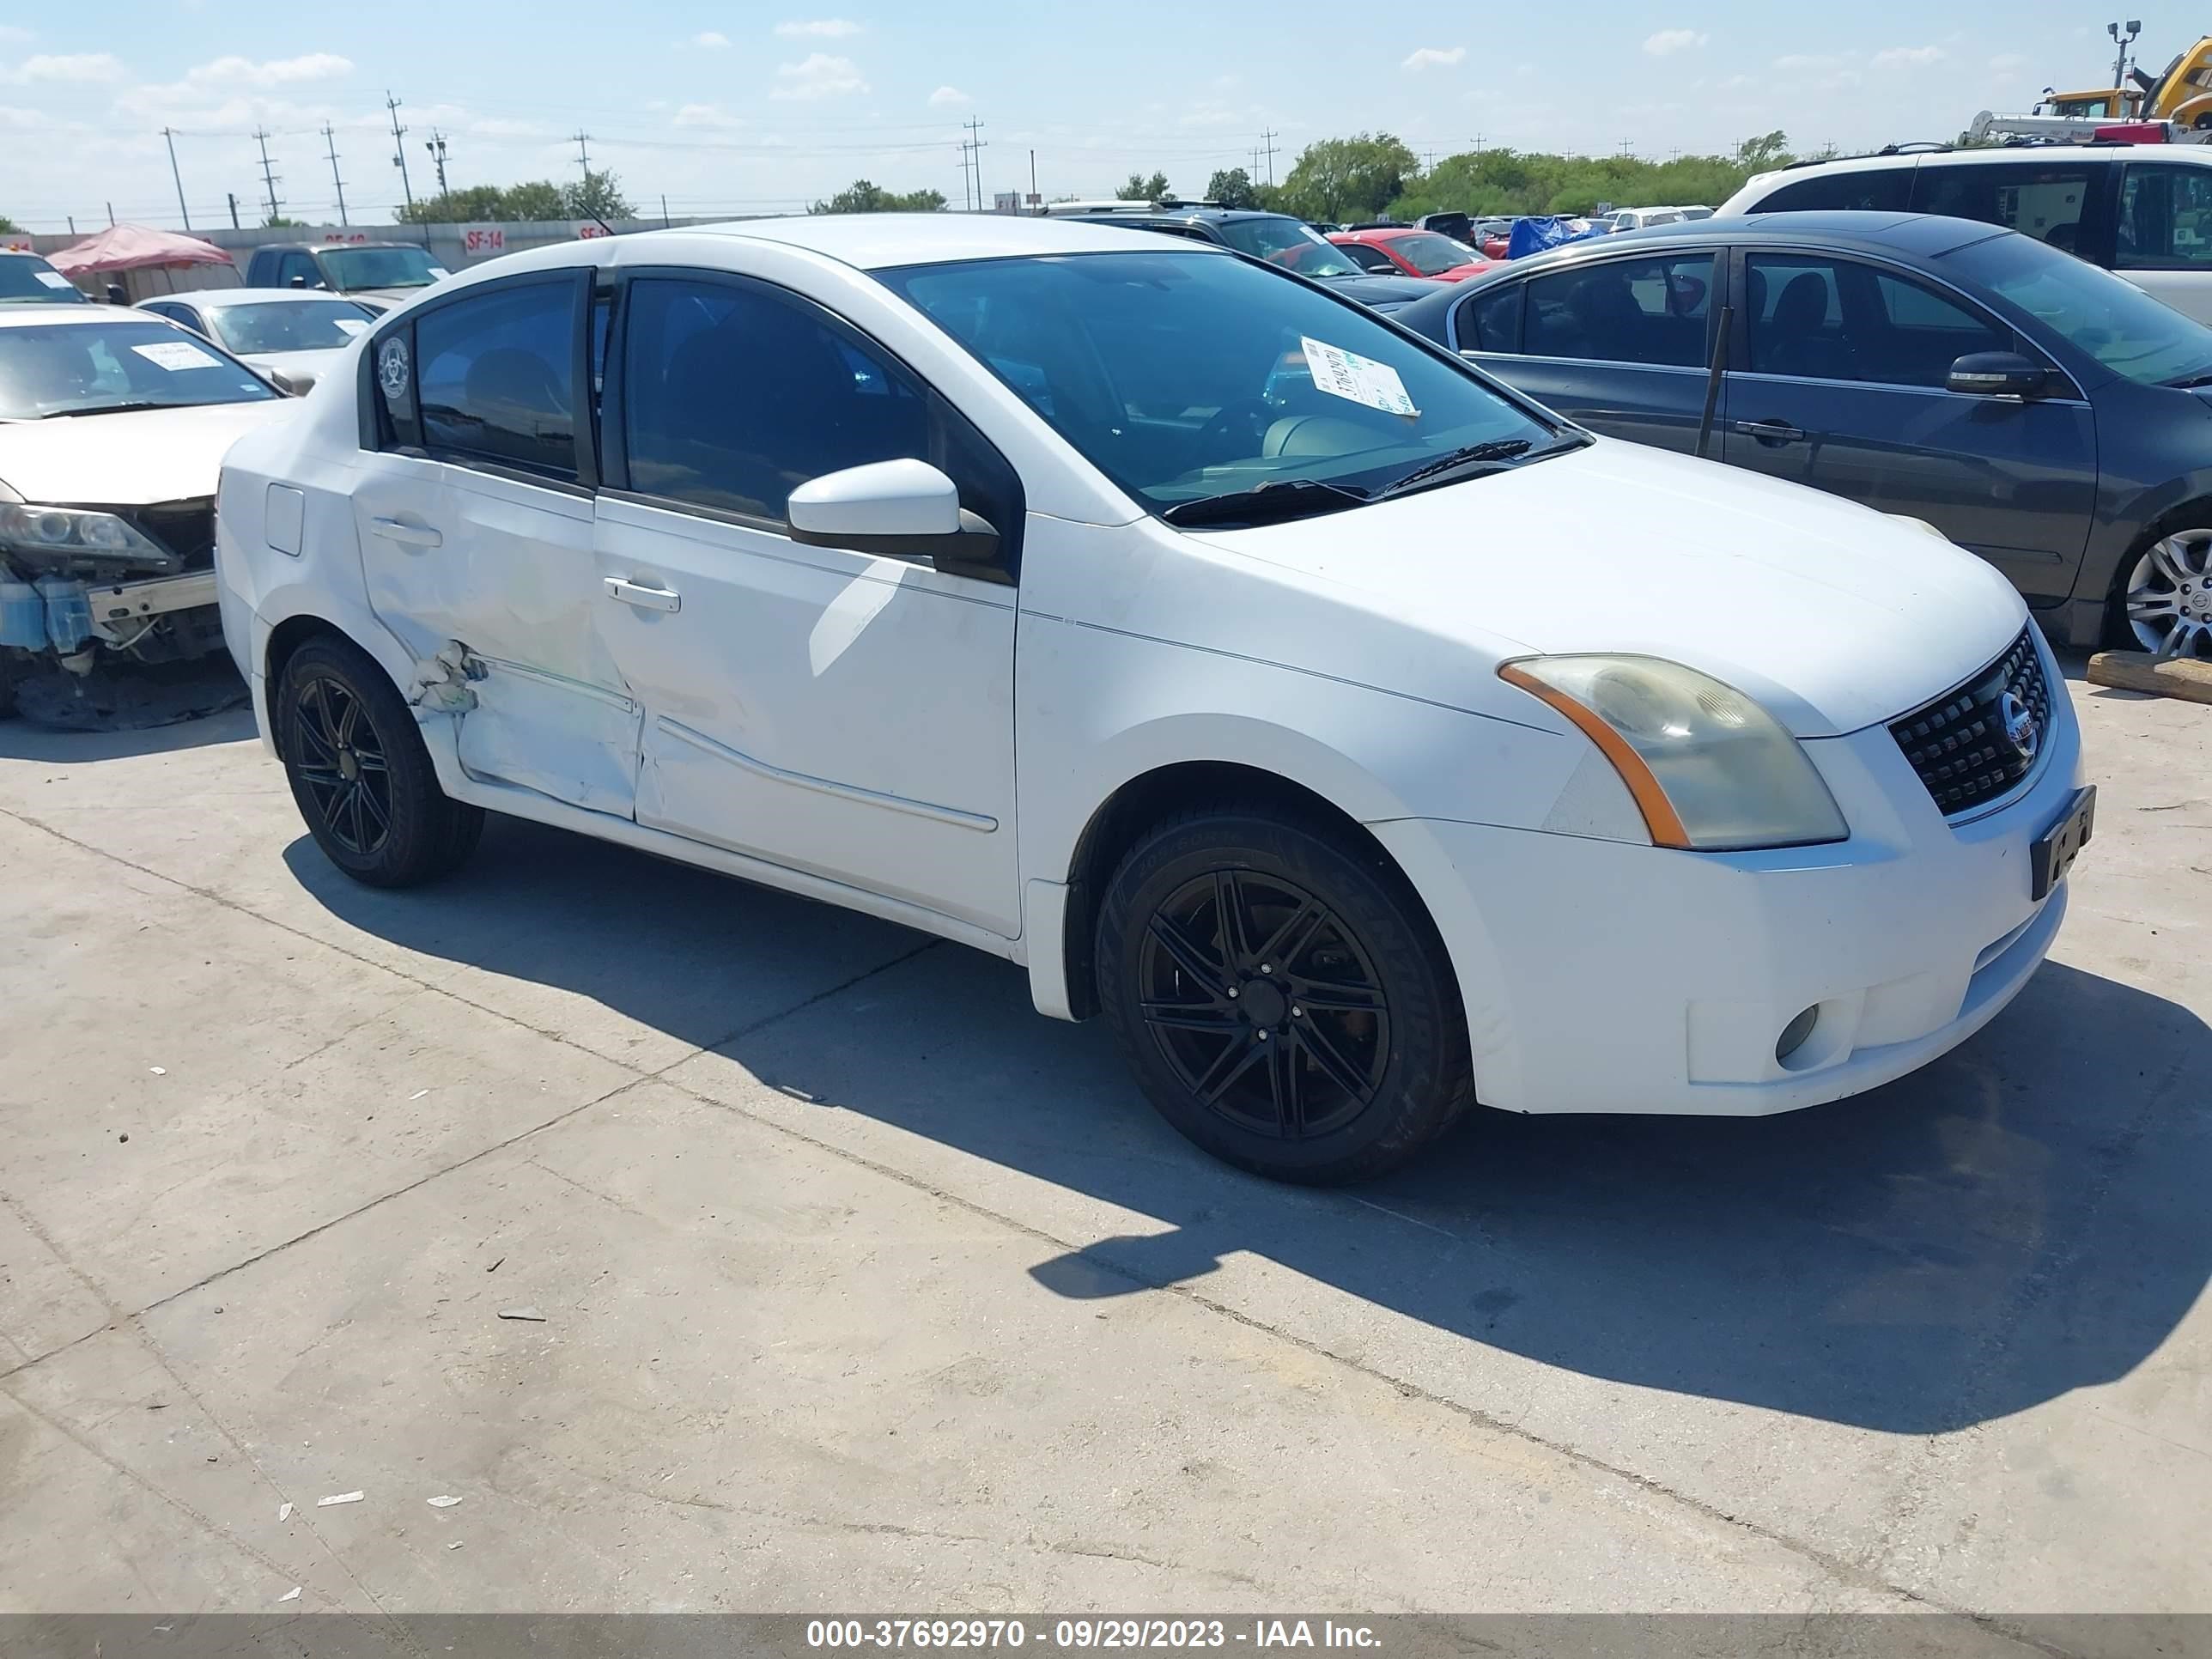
x: 134, y: 247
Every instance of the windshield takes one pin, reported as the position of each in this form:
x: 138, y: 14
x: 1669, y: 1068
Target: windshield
x: 1432, y: 255
x: 2111, y: 320
x: 379, y: 267
x: 84, y: 368
x: 277, y: 325
x: 28, y: 280
x: 1188, y: 376
x: 1288, y: 242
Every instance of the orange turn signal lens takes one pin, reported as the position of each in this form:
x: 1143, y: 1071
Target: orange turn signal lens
x: 1660, y: 816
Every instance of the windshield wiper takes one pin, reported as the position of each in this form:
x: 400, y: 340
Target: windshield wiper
x: 112, y: 408
x: 1495, y: 456
x: 1272, y: 503
x: 2186, y: 382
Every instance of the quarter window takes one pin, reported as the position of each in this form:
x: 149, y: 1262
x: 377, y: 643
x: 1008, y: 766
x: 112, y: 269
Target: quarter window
x: 494, y: 375
x: 1624, y: 311
x: 2165, y: 219
x: 1879, y: 190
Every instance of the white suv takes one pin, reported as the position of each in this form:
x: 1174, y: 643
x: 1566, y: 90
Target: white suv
x: 1108, y: 604
x: 2144, y: 211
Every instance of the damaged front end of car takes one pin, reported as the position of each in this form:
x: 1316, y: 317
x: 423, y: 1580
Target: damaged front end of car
x: 81, y: 585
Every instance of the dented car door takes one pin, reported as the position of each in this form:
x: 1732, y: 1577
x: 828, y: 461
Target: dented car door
x: 476, y: 532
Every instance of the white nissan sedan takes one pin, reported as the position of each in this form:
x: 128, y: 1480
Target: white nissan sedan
x: 1109, y: 605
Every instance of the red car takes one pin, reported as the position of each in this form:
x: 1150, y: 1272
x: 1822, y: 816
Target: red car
x: 1403, y: 250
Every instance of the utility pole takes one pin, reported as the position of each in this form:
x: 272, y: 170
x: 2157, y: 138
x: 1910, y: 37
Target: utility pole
x: 111, y: 216
x: 1036, y: 205
x: 2120, y: 63
x: 399, y: 150
x: 261, y: 137
x: 436, y: 145
x: 1267, y: 138
x: 665, y: 222
x: 179, y: 177
x: 973, y: 148
x: 331, y: 139
x: 232, y: 195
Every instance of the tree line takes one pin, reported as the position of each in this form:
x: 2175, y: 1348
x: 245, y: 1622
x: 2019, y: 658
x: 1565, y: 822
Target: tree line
x: 1376, y: 175
x: 595, y: 195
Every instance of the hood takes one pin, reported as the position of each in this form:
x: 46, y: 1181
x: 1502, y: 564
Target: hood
x: 298, y: 366
x: 387, y: 298
x: 1381, y: 291
x: 127, y: 460
x: 1832, y: 616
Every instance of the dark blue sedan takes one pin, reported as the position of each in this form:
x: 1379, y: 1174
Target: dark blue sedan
x: 2042, y: 412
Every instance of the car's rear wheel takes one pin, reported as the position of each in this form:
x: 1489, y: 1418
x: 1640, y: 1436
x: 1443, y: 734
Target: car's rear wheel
x: 2163, y: 602
x: 1281, y: 996
x: 359, y: 773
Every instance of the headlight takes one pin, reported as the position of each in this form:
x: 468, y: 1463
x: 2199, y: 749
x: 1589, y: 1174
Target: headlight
x: 73, y: 531
x: 1709, y: 769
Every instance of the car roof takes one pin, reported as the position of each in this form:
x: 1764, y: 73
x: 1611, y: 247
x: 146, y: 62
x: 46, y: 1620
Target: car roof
x: 67, y: 316
x: 874, y: 241
x: 1991, y: 155
x: 216, y: 298
x: 1381, y: 233
x: 1914, y: 235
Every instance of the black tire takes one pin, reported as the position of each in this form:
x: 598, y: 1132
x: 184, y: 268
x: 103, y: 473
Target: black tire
x: 359, y: 773
x: 1376, y: 1067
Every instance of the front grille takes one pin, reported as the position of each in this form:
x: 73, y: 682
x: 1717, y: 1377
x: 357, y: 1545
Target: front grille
x: 185, y: 528
x: 1958, y: 744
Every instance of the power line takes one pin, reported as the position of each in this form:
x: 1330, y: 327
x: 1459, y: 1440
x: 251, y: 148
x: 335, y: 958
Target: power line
x: 971, y: 161
x: 1267, y: 139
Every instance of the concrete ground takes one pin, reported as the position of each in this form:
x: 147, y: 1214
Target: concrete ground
x: 864, y: 1287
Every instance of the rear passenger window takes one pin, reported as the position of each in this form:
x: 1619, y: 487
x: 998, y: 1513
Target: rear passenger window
x: 1492, y: 322
x: 2165, y: 219
x: 1877, y: 189
x: 493, y: 377
x: 1624, y: 311
x: 2046, y: 203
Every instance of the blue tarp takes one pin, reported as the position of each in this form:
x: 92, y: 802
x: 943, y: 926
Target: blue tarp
x: 1534, y: 235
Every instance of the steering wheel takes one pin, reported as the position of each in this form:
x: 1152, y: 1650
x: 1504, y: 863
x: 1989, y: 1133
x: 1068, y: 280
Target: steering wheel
x: 1238, y: 429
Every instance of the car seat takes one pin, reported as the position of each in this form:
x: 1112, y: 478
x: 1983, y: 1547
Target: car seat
x: 1798, y: 342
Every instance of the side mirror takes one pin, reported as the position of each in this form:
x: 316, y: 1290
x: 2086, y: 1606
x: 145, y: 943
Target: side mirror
x: 902, y: 509
x: 1997, y: 374
x: 299, y: 282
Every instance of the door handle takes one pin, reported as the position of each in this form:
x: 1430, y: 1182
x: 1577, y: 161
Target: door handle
x: 406, y: 534
x: 1771, y: 432
x: 645, y: 599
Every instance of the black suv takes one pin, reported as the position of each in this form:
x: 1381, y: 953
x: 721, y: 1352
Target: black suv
x: 1277, y: 237
x: 380, y: 275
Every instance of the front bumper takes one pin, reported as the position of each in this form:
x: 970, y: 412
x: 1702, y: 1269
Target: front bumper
x: 1605, y: 977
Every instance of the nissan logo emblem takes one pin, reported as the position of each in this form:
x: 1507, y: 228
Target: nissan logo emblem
x: 2021, y: 729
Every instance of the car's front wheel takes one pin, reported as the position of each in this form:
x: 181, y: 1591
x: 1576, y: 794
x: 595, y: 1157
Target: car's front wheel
x: 359, y: 773
x: 2164, y: 599
x: 1281, y: 996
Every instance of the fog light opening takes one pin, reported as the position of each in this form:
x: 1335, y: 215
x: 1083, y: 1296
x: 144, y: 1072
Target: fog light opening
x: 1795, y: 1033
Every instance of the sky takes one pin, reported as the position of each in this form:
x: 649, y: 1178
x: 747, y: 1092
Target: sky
x: 750, y: 109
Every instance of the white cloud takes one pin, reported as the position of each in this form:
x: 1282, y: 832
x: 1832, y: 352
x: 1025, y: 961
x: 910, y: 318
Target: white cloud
x: 823, y: 28
x: 82, y: 68
x: 948, y: 98
x: 277, y: 72
x: 1668, y: 41
x: 818, y: 76
x: 1901, y: 56
x: 10, y: 35
x: 1433, y: 57
x: 2005, y: 62
x: 1806, y: 60
x: 713, y: 40
x: 707, y: 115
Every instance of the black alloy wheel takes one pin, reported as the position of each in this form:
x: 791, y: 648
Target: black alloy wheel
x: 341, y: 762
x: 1264, y: 1005
x: 1281, y: 994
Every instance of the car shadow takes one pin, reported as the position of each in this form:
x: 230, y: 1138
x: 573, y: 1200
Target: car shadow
x: 2023, y: 1217
x: 24, y: 739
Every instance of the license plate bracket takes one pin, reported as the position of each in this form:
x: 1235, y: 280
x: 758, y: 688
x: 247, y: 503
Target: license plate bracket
x: 2055, y: 849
